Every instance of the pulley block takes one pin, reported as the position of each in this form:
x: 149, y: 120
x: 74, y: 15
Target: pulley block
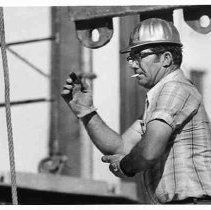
x: 94, y: 34
x: 198, y: 18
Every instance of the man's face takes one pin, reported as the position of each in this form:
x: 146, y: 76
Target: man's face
x: 148, y: 67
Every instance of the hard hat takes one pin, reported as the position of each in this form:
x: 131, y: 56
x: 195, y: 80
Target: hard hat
x: 153, y: 31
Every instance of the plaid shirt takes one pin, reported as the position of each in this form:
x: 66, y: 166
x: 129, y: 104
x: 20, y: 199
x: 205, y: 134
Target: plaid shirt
x: 184, y: 170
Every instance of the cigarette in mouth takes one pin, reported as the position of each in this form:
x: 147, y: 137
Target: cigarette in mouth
x: 135, y: 75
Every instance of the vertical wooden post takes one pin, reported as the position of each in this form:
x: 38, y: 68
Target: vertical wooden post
x: 132, y: 95
x: 86, y: 144
x: 66, y: 57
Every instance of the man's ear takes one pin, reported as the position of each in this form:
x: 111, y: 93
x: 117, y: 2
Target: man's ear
x: 167, y: 59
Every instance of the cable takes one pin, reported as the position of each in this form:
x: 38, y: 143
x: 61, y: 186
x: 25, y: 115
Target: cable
x: 8, y: 110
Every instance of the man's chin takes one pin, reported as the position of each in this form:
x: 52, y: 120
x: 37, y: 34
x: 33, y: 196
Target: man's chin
x: 144, y: 84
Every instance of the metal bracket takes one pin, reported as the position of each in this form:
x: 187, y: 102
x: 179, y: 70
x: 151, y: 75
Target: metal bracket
x: 53, y: 164
x: 85, y: 28
x: 198, y: 18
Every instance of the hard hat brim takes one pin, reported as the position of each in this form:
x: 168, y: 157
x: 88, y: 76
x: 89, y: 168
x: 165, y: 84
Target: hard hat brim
x: 144, y: 45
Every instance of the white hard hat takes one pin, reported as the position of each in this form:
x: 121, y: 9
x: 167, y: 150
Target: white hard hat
x: 153, y: 31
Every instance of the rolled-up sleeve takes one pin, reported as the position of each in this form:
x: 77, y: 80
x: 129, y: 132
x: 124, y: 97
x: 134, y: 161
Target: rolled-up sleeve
x: 175, y: 103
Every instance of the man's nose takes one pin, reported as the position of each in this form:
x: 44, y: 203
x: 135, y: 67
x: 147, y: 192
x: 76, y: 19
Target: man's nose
x: 133, y: 64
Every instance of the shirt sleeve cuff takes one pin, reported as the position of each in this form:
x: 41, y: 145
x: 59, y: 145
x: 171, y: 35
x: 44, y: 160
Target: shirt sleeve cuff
x: 164, y: 116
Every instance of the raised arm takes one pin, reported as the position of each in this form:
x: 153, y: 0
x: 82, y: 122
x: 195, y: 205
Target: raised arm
x: 78, y: 96
x: 105, y: 139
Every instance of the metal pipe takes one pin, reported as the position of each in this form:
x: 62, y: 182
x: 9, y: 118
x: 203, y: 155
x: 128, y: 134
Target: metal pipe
x: 28, y: 63
x: 27, y: 101
x: 30, y: 41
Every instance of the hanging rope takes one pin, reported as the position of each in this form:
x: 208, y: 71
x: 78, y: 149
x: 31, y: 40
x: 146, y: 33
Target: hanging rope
x: 8, y: 111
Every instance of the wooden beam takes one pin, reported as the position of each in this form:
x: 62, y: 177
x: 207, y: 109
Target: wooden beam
x: 56, y: 189
x: 64, y: 126
x: 77, y: 13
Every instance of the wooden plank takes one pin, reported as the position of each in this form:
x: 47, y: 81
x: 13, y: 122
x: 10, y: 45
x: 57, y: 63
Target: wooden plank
x: 57, y: 183
x: 68, y: 185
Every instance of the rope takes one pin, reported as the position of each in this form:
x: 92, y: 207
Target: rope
x: 8, y: 111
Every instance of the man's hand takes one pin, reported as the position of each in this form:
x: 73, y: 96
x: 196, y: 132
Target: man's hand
x: 114, y: 166
x: 78, y: 96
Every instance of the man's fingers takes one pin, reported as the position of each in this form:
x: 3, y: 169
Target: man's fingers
x: 76, y: 88
x: 70, y: 90
x: 113, y: 167
x: 106, y: 158
x: 69, y: 81
x: 73, y: 76
x: 80, y: 84
x: 86, y: 85
x: 68, y: 87
x: 65, y: 92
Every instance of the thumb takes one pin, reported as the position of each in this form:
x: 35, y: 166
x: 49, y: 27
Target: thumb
x: 86, y: 85
x: 109, y: 158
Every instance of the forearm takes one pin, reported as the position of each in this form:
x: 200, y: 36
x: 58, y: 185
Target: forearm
x: 147, y: 151
x: 105, y: 139
x: 78, y: 96
x: 136, y: 161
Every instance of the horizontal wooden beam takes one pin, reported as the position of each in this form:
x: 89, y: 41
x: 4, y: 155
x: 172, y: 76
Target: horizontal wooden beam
x: 56, y: 183
x: 66, y: 185
x: 77, y: 13
x: 29, y: 101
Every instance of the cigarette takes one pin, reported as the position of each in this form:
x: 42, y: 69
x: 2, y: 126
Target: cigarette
x: 135, y: 75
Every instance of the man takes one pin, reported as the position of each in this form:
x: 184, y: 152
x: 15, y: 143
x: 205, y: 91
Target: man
x: 172, y: 143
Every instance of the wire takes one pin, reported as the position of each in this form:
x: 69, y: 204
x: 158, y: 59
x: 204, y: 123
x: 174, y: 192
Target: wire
x: 8, y: 110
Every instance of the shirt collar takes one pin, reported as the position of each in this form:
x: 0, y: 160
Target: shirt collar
x: 167, y: 78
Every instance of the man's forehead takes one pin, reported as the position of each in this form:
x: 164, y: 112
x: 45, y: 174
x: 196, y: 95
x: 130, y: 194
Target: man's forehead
x: 140, y: 51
